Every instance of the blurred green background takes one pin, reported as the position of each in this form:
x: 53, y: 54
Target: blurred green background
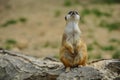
x: 35, y: 27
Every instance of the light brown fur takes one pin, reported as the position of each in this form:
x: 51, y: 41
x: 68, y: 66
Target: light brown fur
x: 73, y: 55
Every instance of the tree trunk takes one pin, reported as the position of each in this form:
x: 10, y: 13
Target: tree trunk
x: 17, y: 66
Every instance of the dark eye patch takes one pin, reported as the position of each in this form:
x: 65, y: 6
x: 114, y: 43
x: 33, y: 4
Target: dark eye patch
x: 65, y: 18
x: 73, y: 12
x: 76, y: 12
x: 70, y: 12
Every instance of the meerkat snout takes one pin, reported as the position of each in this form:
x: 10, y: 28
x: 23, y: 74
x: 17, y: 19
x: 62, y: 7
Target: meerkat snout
x: 73, y: 12
x: 72, y: 16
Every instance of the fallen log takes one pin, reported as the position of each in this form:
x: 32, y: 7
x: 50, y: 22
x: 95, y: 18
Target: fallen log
x: 17, y: 66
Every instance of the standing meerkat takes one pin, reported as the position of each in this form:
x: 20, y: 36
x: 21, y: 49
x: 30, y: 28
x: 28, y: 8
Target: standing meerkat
x: 73, y: 51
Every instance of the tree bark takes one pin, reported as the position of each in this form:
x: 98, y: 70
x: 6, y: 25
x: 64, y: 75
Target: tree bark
x: 17, y: 66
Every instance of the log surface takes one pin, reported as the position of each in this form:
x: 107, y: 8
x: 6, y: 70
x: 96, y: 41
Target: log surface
x: 17, y: 66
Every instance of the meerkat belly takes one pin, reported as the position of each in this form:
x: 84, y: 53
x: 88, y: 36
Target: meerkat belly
x: 73, y: 33
x: 74, y: 37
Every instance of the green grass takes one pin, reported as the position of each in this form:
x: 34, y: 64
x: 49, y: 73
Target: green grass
x: 13, y: 22
x: 50, y: 45
x: 108, y: 48
x: 94, y: 11
x: 98, y: 56
x: 98, y: 13
x: 9, y: 43
x: 90, y: 36
x: 82, y: 20
x: 96, y: 43
x: 114, y: 40
x: 85, y: 12
x: 9, y: 22
x: 106, y: 1
x: 56, y: 56
x: 110, y: 26
x: 116, y: 55
x: 92, y: 56
x: 8, y: 47
x: 8, y: 7
x: 90, y: 47
x: 67, y: 3
x: 47, y: 44
x: 57, y: 13
x: 22, y: 19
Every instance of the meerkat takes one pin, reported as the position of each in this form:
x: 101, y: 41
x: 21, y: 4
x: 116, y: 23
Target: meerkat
x: 73, y: 51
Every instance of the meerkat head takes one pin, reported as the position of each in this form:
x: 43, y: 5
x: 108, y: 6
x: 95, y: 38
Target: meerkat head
x: 72, y: 16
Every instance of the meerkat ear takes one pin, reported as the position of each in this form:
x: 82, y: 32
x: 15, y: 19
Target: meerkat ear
x: 65, y: 18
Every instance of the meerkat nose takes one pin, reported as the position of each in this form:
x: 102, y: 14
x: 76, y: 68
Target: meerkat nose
x: 73, y: 13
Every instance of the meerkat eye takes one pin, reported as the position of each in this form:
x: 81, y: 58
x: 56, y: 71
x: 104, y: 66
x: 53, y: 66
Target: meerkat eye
x: 70, y: 12
x: 65, y: 18
x: 76, y: 12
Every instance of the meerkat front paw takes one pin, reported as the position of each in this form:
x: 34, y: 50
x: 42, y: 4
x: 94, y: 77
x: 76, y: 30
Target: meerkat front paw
x: 67, y: 69
x: 69, y: 47
x: 80, y: 66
